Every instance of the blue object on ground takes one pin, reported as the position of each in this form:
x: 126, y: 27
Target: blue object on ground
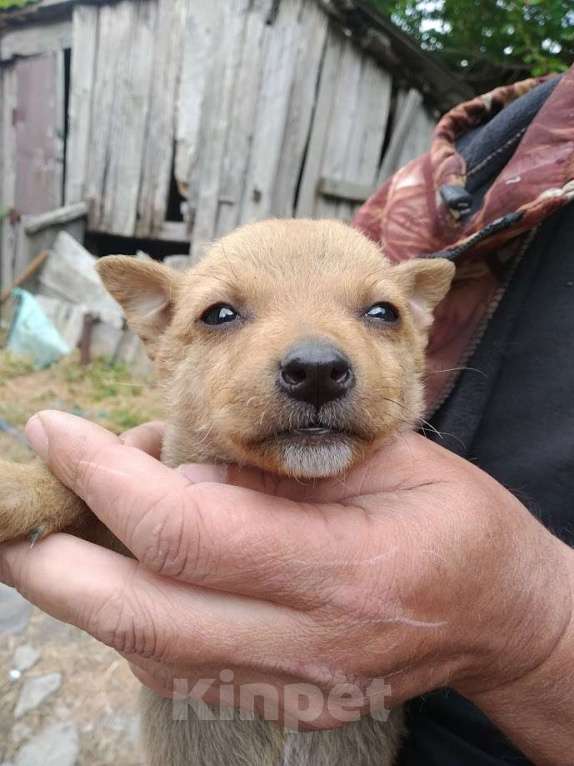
x: 32, y: 334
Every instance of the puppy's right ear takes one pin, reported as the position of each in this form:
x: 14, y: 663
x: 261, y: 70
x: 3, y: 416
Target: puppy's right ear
x: 146, y: 291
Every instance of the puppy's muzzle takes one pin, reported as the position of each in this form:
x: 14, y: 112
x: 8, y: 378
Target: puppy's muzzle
x: 315, y: 372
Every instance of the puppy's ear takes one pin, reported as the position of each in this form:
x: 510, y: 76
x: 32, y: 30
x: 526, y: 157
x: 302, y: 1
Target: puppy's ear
x: 146, y: 291
x: 426, y: 281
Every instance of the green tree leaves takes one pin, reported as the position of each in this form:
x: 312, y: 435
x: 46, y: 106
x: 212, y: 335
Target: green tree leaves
x: 490, y: 42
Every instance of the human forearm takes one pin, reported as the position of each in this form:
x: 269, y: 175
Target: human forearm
x: 537, y: 710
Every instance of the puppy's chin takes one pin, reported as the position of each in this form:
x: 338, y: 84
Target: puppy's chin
x: 302, y: 454
x: 315, y: 461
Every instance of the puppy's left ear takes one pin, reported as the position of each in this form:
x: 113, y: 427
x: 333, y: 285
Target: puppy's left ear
x: 426, y: 281
x: 146, y: 291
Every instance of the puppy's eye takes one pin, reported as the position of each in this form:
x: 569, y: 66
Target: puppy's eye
x: 383, y: 312
x: 221, y: 313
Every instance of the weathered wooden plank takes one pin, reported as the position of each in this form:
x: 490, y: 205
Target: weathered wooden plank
x: 83, y: 72
x: 203, y: 25
x: 363, y: 152
x: 348, y: 132
x: 113, y: 28
x: 418, y: 139
x: 274, y: 97
x: 60, y: 123
x: 215, y: 122
x: 341, y: 128
x: 8, y: 106
x: 38, y: 130
x: 242, y: 119
x: 38, y: 125
x: 407, y: 106
x: 129, y: 119
x: 312, y: 39
x: 2, y: 164
x: 36, y: 39
x: 320, y: 128
x: 159, y: 144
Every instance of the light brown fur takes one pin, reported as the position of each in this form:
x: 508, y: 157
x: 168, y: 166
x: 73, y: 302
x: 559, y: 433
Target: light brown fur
x: 290, y: 281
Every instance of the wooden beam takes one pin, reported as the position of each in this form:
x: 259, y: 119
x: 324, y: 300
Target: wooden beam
x: 36, y: 39
x: 28, y: 272
x: 345, y: 190
x: 32, y: 224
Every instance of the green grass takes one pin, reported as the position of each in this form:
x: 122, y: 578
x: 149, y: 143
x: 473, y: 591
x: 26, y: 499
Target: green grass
x: 103, y: 391
x: 106, y: 379
x: 125, y: 418
x: 12, y: 366
x: 6, y: 4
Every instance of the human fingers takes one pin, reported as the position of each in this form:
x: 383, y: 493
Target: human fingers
x: 147, y: 437
x: 143, y: 616
x: 215, y: 535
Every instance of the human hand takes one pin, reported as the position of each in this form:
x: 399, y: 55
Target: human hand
x: 417, y: 570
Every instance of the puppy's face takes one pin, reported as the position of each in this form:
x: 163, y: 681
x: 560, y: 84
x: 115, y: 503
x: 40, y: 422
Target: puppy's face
x: 293, y: 345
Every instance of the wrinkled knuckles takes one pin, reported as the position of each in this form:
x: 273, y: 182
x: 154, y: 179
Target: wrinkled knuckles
x: 123, y: 623
x: 174, y: 539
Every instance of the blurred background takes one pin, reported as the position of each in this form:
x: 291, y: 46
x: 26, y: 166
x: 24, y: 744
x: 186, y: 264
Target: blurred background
x: 151, y: 127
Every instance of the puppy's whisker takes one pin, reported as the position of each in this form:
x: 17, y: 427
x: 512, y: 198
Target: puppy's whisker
x: 456, y: 369
x: 425, y: 424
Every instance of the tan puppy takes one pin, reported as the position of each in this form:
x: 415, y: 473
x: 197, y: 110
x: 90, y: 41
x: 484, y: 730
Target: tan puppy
x: 293, y: 346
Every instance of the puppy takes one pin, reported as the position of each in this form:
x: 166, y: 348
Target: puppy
x: 293, y: 346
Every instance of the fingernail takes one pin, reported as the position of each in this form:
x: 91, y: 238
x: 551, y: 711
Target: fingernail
x: 37, y: 436
x: 203, y: 474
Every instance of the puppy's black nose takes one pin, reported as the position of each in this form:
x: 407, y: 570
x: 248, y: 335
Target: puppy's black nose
x: 315, y: 372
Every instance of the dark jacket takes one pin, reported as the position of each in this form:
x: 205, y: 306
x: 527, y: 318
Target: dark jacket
x: 509, y: 321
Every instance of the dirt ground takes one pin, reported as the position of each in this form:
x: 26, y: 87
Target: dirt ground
x: 90, y: 719
x: 102, y: 392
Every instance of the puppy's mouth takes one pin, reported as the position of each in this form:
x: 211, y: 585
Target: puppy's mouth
x: 313, y: 434
x: 312, y: 449
x: 310, y: 431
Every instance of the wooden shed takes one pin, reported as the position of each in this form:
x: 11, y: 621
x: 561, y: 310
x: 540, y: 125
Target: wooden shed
x: 172, y: 121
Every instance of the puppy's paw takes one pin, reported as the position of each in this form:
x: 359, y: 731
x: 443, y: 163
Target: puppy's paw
x: 33, y: 503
